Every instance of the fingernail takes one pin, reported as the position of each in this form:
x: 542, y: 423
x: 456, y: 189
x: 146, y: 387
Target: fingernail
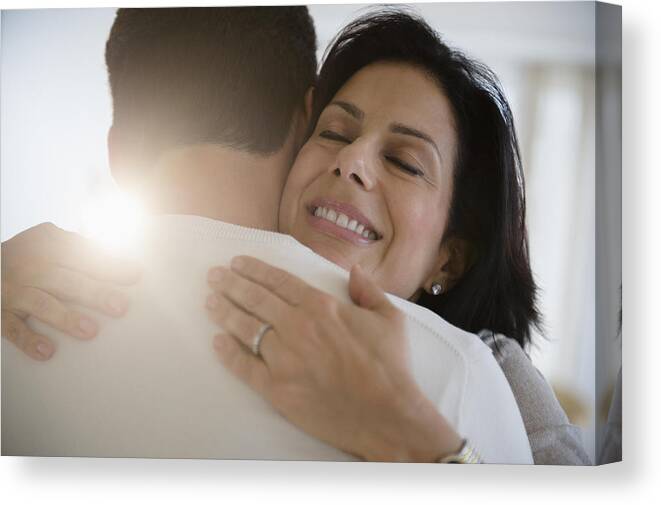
x: 212, y: 301
x: 87, y: 326
x: 44, y: 349
x: 238, y: 263
x: 117, y: 303
x: 216, y: 274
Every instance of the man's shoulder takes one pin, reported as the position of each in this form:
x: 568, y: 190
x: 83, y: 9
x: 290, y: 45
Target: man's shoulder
x: 465, y: 346
x: 447, y: 362
x: 458, y: 371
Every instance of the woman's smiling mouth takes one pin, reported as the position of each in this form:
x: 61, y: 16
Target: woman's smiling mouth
x: 342, y: 221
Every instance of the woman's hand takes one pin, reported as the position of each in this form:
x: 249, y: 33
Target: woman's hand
x: 45, y: 266
x: 339, y: 371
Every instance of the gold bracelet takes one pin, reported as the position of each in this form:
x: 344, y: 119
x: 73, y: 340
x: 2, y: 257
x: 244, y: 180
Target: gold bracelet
x: 466, y: 455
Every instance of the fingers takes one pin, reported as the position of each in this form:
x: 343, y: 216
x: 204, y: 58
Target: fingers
x: 28, y: 301
x: 15, y: 330
x: 367, y: 294
x: 239, y: 324
x: 72, y: 286
x: 79, y: 253
x: 250, y: 296
x: 242, y: 363
x: 280, y: 282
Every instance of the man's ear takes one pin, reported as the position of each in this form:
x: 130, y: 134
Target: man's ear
x: 307, y: 105
x: 113, y: 149
x: 117, y: 158
x: 304, y: 117
x: 455, y: 257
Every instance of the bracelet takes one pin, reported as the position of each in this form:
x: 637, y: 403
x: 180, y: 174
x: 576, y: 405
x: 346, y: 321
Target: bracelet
x: 466, y: 455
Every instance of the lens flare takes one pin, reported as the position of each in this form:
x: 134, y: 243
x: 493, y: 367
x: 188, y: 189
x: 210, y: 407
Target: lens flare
x: 115, y: 220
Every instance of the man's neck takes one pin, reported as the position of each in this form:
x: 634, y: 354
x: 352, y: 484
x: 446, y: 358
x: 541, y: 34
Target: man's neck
x: 220, y: 183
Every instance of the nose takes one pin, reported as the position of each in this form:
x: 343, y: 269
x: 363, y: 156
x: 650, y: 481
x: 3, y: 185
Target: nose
x: 355, y: 162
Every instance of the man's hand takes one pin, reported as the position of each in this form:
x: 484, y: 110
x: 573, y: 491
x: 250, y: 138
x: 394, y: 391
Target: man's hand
x: 337, y: 370
x: 45, y: 266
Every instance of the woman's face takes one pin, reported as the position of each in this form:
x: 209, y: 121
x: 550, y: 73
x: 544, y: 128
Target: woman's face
x: 373, y: 183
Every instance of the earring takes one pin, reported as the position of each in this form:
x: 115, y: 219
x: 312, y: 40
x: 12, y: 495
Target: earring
x: 436, y: 288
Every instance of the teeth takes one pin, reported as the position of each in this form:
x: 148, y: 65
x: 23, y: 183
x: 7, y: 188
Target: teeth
x: 343, y: 221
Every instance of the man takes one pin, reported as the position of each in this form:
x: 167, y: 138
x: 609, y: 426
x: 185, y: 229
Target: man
x: 210, y: 107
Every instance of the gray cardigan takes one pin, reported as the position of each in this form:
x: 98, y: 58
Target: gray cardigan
x: 553, y: 439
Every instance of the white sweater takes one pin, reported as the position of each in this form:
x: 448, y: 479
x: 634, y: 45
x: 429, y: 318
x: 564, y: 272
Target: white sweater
x: 150, y: 385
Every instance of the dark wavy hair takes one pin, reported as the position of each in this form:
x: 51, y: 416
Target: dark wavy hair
x: 498, y: 292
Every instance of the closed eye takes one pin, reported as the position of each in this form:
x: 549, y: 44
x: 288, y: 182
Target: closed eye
x: 405, y: 167
x: 331, y: 135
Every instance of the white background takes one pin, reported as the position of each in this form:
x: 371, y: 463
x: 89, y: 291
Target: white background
x: 109, y: 481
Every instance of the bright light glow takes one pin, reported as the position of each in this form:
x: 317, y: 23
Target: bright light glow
x: 115, y: 220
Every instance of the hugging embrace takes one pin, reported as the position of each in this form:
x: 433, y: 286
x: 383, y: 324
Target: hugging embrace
x: 335, y: 266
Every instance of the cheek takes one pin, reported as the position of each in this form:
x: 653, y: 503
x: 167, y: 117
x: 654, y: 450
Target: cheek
x: 419, y: 227
x: 422, y: 224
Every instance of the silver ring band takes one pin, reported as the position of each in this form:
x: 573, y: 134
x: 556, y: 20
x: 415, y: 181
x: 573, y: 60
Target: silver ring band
x: 257, y: 340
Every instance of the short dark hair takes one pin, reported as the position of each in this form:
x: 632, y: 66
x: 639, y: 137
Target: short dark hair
x: 498, y: 293
x: 231, y: 76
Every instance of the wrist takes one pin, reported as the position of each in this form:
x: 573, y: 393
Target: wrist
x: 414, y: 431
x: 466, y: 455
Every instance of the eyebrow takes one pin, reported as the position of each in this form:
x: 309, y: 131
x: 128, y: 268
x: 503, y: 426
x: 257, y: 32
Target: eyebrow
x: 350, y: 109
x: 407, y: 130
x: 399, y: 128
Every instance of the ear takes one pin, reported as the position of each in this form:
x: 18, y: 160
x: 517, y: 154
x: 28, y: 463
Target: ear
x: 307, y: 106
x: 455, y: 257
x: 117, y: 158
x: 303, y: 118
x: 113, y: 149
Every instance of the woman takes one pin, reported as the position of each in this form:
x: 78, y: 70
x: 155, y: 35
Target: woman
x: 449, y: 246
x: 427, y: 196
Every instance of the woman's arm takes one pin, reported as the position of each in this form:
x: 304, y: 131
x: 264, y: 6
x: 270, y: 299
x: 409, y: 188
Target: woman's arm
x: 341, y: 376
x: 553, y: 439
x: 44, y: 267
